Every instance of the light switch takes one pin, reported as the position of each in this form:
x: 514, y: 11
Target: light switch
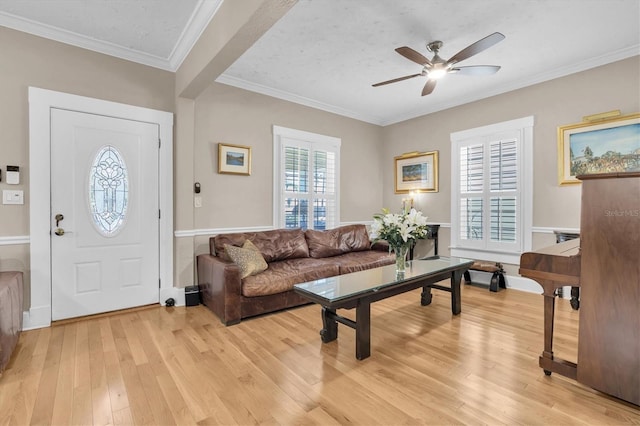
x: 197, y: 201
x: 12, y: 197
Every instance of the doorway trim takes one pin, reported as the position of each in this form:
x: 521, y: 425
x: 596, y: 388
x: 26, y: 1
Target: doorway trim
x: 40, y: 103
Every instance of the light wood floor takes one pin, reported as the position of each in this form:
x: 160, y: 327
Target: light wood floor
x: 181, y: 366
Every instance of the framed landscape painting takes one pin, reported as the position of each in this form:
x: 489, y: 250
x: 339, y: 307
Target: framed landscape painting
x: 416, y: 171
x: 234, y: 159
x: 610, y: 145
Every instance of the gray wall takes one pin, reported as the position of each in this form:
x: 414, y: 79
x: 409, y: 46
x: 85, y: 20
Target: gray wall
x: 554, y: 103
x: 28, y: 60
x: 226, y: 114
x: 234, y: 116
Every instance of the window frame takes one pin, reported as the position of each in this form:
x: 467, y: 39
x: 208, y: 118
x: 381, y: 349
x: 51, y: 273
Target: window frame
x: 522, y: 131
x: 315, y: 142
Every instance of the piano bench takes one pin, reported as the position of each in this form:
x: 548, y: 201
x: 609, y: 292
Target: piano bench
x: 497, y: 278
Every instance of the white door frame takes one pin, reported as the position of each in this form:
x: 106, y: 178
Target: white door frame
x: 40, y: 103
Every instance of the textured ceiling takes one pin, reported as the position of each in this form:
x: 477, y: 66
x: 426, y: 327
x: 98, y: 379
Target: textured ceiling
x: 328, y: 53
x: 154, y: 32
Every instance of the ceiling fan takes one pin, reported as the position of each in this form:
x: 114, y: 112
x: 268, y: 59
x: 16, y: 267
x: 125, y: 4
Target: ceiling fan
x: 437, y: 67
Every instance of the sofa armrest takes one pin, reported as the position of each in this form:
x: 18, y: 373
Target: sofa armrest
x: 220, y: 287
x: 380, y: 245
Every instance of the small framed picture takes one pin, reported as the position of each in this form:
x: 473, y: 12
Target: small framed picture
x: 234, y: 159
x: 416, y: 171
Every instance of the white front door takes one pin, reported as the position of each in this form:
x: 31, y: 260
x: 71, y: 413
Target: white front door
x: 104, y: 213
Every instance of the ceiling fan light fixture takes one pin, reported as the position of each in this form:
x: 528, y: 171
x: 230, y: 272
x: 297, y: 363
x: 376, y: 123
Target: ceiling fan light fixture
x: 437, y: 73
x: 436, y: 68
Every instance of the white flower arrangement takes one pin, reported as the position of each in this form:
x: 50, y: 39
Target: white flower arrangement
x: 399, y: 229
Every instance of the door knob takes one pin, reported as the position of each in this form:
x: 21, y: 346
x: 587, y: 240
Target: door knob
x: 59, y: 217
x: 59, y: 231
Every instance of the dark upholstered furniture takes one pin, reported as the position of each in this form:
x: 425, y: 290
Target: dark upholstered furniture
x: 11, y: 294
x: 293, y: 256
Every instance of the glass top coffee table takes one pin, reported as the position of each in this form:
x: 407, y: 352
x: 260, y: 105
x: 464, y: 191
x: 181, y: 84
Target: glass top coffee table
x: 359, y: 289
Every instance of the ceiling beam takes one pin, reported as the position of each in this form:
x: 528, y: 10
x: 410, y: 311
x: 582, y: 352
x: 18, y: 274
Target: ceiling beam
x: 235, y: 27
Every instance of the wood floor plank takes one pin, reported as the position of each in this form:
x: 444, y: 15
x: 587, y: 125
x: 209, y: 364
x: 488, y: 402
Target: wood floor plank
x: 82, y: 407
x: 122, y: 417
x: 63, y: 403
x: 118, y: 397
x: 46, y: 391
x: 7, y: 401
x: 138, y: 404
x: 202, y: 386
x: 182, y: 366
x: 100, y: 398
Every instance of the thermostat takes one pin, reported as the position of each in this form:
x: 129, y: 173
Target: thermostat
x: 13, y: 175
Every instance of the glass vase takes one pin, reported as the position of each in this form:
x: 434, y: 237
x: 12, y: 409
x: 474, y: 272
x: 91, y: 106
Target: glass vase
x: 401, y: 258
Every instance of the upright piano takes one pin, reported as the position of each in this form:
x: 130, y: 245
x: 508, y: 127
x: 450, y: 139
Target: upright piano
x: 605, y: 263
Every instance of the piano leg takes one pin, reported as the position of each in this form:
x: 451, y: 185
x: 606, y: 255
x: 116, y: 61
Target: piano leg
x: 575, y: 298
x: 549, y: 312
x: 547, y: 361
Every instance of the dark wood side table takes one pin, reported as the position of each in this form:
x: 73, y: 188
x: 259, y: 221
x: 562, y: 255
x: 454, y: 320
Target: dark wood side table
x: 432, y: 234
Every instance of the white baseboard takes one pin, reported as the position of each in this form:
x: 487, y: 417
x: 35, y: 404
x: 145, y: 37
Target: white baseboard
x: 511, y: 281
x: 177, y: 294
x: 38, y: 317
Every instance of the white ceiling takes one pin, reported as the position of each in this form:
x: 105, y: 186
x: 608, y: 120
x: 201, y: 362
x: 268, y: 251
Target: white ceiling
x: 328, y: 53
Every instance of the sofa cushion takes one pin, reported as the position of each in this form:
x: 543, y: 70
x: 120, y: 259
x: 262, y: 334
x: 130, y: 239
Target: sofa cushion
x: 278, y: 244
x: 247, y: 257
x: 333, y: 242
x: 282, y: 275
x: 359, y: 261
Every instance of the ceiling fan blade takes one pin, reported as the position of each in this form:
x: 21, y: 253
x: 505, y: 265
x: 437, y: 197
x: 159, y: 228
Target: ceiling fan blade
x: 395, y: 80
x: 476, y: 47
x: 414, y: 56
x: 476, y: 70
x: 428, y: 88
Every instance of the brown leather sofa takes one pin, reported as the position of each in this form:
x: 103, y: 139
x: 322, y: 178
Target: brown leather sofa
x: 11, y: 294
x: 293, y: 256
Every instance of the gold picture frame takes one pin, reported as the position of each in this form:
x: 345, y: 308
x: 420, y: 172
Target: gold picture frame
x: 602, y: 143
x: 234, y: 159
x: 416, y: 171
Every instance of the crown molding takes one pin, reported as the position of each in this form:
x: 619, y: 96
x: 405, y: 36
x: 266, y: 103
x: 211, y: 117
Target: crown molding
x: 301, y: 100
x: 67, y: 37
x: 552, y: 74
x: 202, y: 14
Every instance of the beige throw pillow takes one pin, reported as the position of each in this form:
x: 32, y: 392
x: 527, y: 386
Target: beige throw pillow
x: 248, y: 258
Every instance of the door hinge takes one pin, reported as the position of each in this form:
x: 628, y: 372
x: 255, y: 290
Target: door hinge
x: 159, y: 143
x: 159, y: 214
x: 159, y: 283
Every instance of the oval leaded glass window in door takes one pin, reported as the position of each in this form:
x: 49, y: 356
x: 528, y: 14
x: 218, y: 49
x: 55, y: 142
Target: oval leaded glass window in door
x: 108, y: 191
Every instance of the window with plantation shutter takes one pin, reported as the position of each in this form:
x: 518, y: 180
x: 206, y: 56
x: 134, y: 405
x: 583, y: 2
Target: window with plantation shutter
x: 492, y: 191
x: 306, y: 179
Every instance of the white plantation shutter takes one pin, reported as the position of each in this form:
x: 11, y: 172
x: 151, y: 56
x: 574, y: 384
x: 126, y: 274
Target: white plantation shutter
x: 504, y: 191
x: 324, y: 187
x: 307, y: 180
x: 471, y: 190
x: 488, y: 193
x: 296, y: 186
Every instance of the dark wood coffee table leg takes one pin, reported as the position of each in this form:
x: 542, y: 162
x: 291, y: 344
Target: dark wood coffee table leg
x: 426, y: 296
x: 329, y: 331
x: 456, y: 299
x: 363, y: 330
